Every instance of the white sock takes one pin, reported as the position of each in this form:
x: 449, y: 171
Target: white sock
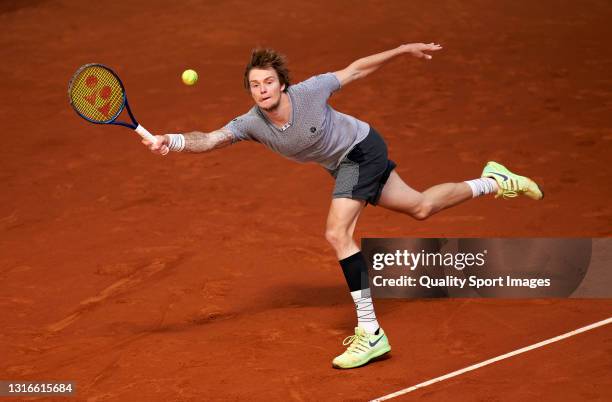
x: 482, y: 186
x: 366, y: 318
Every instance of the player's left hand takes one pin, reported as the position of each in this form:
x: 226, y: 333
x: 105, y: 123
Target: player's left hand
x: 418, y: 49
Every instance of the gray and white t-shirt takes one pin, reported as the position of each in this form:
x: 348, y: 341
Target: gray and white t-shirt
x: 316, y: 133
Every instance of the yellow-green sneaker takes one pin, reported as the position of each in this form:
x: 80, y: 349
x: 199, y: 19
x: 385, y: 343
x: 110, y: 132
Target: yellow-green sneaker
x: 511, y: 185
x: 362, y: 347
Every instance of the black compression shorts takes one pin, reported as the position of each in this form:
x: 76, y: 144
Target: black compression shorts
x: 362, y: 174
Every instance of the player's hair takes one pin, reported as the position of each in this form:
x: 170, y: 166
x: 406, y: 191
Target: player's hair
x: 266, y: 58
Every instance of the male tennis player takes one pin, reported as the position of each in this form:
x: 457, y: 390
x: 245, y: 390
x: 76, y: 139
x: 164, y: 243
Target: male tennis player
x: 297, y: 122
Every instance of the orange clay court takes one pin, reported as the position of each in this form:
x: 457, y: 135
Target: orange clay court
x: 207, y: 277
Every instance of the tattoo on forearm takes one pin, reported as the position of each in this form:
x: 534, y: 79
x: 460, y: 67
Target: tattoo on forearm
x: 203, y: 142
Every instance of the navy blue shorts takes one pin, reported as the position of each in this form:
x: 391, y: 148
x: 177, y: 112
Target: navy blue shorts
x: 362, y: 174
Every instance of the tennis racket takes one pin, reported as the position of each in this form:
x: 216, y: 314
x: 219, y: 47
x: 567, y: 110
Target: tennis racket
x: 97, y: 94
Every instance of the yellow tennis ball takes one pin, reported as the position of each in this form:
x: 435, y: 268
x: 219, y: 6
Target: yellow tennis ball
x: 189, y: 77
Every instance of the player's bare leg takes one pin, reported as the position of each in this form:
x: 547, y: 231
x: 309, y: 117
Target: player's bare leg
x: 341, y: 222
x: 398, y: 196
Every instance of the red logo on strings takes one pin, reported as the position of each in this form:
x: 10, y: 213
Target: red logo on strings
x: 105, y: 92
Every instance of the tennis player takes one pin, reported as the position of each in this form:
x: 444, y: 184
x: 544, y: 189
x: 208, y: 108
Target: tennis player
x: 297, y: 122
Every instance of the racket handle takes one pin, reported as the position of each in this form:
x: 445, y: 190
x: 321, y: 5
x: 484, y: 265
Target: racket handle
x: 144, y: 133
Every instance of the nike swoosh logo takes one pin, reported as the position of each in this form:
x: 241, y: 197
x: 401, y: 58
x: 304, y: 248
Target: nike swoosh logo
x: 374, y: 344
x: 502, y: 175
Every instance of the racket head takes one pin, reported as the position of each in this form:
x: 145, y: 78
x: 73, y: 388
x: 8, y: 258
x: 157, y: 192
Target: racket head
x: 96, y: 93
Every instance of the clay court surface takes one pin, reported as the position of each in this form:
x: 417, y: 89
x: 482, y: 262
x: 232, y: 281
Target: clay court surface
x: 207, y: 277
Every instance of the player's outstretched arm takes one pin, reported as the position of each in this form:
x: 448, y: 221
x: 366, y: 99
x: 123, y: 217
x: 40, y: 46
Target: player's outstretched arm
x: 194, y: 141
x: 367, y: 65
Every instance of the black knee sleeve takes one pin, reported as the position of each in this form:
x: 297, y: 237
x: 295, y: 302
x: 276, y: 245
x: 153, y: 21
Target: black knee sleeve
x: 355, y: 271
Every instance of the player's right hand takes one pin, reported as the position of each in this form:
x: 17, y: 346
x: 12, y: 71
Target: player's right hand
x: 160, y: 146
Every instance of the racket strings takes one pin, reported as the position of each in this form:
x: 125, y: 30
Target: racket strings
x: 96, y: 94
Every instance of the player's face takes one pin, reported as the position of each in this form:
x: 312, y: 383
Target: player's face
x: 265, y: 88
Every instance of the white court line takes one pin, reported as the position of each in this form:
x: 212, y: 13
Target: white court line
x: 493, y: 360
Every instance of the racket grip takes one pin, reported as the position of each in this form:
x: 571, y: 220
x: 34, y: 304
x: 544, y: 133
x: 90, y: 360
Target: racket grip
x: 144, y: 133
